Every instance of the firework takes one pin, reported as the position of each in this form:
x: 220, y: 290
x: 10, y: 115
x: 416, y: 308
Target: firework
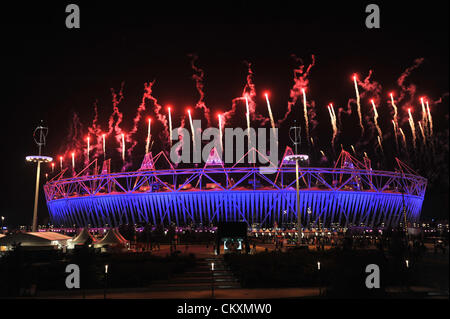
x: 333, y: 123
x: 220, y: 131
x: 395, y: 134
x: 413, y: 128
x: 403, y: 138
x: 375, y: 119
x: 430, y: 120
x: 353, y: 149
x: 358, y: 104
x: 192, y: 128
x: 422, y: 132
x: 248, y: 117
x: 170, y: 126
x: 88, y: 146
x: 104, y: 147
x: 424, y: 113
x: 272, y: 122
x: 123, y: 147
x: 53, y: 167
x: 305, y: 111
x: 61, y: 162
x: 395, y: 110
x: 73, y: 161
x: 379, y: 143
x: 147, y: 146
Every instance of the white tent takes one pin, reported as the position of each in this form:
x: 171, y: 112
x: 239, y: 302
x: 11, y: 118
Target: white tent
x: 112, y: 239
x: 82, y: 238
x: 34, y: 240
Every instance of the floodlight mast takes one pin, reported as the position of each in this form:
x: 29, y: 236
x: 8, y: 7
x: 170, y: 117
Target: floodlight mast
x: 39, y: 135
x: 294, y: 135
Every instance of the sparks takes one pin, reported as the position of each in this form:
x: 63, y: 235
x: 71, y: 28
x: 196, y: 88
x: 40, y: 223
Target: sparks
x: 147, y: 146
x: 333, y: 123
x: 375, y: 119
x: 248, y: 117
x: 220, y: 131
x: 73, y: 161
x: 413, y: 128
x: 422, y: 132
x: 430, y: 120
x: 395, y: 134
x: 104, y: 147
x: 53, y: 167
x: 403, y: 138
x: 353, y: 149
x: 358, y: 103
x: 61, y: 162
x: 88, y: 147
x: 424, y: 113
x: 379, y: 143
x: 395, y: 110
x: 272, y: 122
x: 192, y: 128
x: 170, y: 126
x: 305, y: 111
x: 123, y: 147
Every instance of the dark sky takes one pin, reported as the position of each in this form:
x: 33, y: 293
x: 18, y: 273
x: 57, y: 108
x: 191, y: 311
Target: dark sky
x: 50, y: 72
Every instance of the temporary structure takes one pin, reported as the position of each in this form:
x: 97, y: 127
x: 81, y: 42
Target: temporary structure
x: 34, y: 240
x: 112, y: 239
x: 84, y: 237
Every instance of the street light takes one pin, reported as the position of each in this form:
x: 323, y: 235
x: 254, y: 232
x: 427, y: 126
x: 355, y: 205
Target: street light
x: 106, y: 281
x: 39, y: 135
x: 212, y: 280
x: 320, y: 278
x: 294, y: 135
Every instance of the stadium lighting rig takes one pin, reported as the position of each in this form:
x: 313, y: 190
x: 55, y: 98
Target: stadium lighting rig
x: 39, y: 135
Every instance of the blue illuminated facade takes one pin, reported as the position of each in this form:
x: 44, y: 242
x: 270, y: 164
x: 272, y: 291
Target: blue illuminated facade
x: 345, y: 196
x: 253, y: 206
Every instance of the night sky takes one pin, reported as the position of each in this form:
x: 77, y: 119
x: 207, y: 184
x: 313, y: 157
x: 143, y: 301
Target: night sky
x: 50, y: 71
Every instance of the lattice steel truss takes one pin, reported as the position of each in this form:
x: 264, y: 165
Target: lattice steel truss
x: 349, y: 194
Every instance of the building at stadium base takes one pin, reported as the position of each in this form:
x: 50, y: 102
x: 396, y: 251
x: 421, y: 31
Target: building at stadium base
x: 350, y: 193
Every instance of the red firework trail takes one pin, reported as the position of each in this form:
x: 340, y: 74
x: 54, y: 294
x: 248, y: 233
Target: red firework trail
x: 409, y: 90
x: 250, y: 93
x: 300, y: 82
x: 95, y: 131
x: 141, y: 109
x: 116, y: 118
x: 75, y: 138
x: 116, y: 99
x: 198, y: 77
x: 369, y: 88
x: 164, y: 134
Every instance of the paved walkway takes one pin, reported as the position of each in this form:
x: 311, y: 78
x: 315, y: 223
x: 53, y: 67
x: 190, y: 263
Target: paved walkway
x: 183, y: 294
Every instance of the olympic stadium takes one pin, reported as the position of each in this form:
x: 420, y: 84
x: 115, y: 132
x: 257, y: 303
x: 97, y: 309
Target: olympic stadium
x: 350, y: 193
